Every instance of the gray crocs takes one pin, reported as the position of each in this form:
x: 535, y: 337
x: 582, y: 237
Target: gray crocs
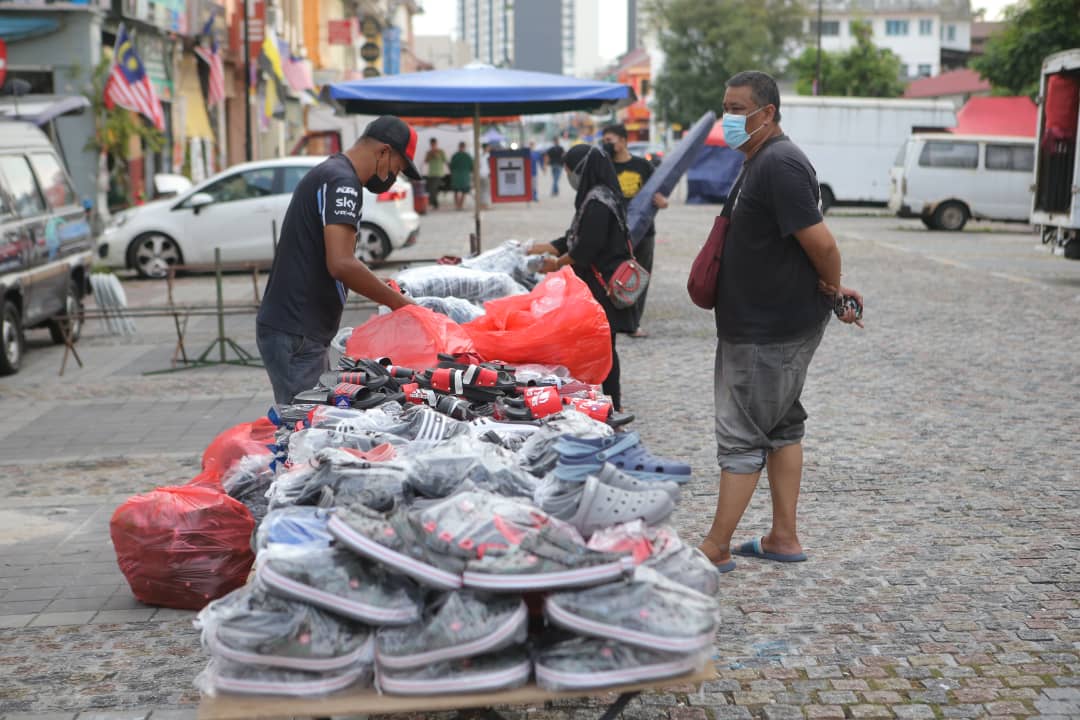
x: 613, y: 476
x: 592, y: 505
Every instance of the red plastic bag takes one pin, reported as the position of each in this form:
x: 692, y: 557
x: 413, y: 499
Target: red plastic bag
x: 182, y: 547
x: 252, y: 438
x: 558, y: 323
x: 411, y: 336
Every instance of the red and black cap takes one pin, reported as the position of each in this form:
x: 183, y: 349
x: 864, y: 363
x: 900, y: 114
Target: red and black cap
x: 396, y: 133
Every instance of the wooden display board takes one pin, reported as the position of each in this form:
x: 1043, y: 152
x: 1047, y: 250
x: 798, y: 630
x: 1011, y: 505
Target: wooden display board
x: 367, y: 701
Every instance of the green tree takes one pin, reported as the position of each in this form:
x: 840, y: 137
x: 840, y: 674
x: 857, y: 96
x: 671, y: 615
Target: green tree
x: 1033, y: 29
x: 705, y: 42
x: 863, y: 71
x: 114, y: 129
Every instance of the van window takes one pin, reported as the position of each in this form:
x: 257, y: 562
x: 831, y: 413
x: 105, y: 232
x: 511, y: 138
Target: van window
x: 1010, y: 157
x: 946, y: 154
x: 53, y: 180
x: 899, y: 161
x: 22, y: 186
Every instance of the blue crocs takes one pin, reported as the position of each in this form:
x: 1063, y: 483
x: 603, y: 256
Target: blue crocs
x: 579, y: 457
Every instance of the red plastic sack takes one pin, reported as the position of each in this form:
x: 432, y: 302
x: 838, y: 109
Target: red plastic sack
x: 558, y: 323
x: 251, y: 438
x: 182, y: 547
x: 411, y: 336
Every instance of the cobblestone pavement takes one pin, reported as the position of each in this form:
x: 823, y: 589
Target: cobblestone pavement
x: 940, y: 500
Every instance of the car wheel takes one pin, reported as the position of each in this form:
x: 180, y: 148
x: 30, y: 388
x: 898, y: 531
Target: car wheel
x: 827, y: 199
x: 928, y: 221
x: 73, y: 312
x: 372, y: 244
x: 11, y: 338
x: 152, y: 254
x: 951, y: 216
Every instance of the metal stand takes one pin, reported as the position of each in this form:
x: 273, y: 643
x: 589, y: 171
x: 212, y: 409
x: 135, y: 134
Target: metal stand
x: 610, y: 713
x: 222, y: 342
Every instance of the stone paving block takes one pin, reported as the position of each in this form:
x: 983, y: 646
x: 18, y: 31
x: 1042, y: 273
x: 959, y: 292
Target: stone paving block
x: 730, y: 712
x: 1007, y: 708
x: 824, y: 712
x: 837, y: 697
x: 62, y: 618
x: 825, y: 671
x: 1063, y: 693
x: 963, y: 711
x: 975, y: 695
x: 782, y: 712
x: 15, y: 621
x: 869, y: 711
x: 707, y: 699
x: 881, y: 697
x: 124, y: 616
x: 752, y: 698
x: 173, y: 615
x: 46, y: 593
x: 73, y: 604
x: 845, y: 684
x: 676, y: 713
x: 88, y: 591
x: 913, y: 712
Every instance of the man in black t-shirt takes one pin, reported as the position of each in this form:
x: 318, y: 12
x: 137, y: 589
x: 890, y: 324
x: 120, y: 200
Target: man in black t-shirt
x: 633, y: 171
x: 315, y: 264
x: 554, y: 156
x: 779, y: 275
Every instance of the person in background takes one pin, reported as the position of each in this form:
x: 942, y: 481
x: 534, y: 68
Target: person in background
x: 554, y: 157
x: 779, y: 281
x: 461, y: 168
x: 485, y: 176
x: 536, y: 161
x: 315, y: 265
x: 436, y: 171
x: 597, y: 238
x: 633, y: 171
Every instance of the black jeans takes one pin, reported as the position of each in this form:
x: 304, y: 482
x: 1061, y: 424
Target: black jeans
x: 611, y: 382
x: 644, y: 253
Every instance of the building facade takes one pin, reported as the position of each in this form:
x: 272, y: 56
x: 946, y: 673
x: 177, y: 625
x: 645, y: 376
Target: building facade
x: 929, y: 36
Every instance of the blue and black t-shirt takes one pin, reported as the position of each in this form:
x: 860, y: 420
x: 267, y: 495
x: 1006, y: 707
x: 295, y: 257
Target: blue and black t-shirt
x: 301, y: 296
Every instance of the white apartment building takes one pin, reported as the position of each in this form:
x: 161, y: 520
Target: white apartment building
x: 929, y: 36
x: 487, y: 28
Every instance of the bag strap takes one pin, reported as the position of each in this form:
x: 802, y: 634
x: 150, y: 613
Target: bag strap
x: 733, y: 196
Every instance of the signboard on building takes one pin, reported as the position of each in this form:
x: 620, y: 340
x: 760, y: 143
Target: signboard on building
x: 156, y: 54
x: 371, y: 49
x: 341, y: 32
x: 391, y: 51
x: 168, y: 15
x: 511, y: 176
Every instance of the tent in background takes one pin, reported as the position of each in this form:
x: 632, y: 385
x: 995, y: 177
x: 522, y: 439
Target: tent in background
x: 1017, y: 116
x: 710, y: 178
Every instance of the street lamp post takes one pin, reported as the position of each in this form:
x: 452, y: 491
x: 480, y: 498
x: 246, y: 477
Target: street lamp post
x: 247, y: 87
x: 817, y: 70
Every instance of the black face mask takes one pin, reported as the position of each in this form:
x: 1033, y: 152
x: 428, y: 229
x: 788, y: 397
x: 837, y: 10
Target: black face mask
x: 378, y: 185
x: 609, y: 148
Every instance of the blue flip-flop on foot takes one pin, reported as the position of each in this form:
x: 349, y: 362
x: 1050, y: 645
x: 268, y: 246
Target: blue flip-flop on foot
x: 725, y: 567
x: 752, y: 548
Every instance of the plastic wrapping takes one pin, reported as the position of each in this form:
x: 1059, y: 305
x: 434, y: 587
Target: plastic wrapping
x: 222, y: 676
x: 459, y: 624
x: 411, y: 336
x: 247, y: 481
x: 286, y: 487
x: 537, y: 454
x: 457, y: 309
x: 584, y: 662
x: 338, y: 581
x: 253, y: 627
x: 472, y: 523
x: 648, y: 611
x: 558, y: 323
x: 661, y: 549
x: 457, y: 281
x: 439, y: 471
x: 371, y: 445
x: 182, y: 547
x: 509, y: 257
x: 343, y: 479
x: 300, y: 525
x: 498, y: 671
x: 250, y: 438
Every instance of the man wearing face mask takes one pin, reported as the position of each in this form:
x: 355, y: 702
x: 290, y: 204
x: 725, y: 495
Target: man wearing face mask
x: 315, y: 264
x: 779, y: 277
x: 632, y: 172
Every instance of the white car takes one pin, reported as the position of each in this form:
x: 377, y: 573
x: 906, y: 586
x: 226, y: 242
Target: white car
x: 240, y: 210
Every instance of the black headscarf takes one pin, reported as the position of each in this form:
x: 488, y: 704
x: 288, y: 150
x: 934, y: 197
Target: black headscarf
x: 595, y: 169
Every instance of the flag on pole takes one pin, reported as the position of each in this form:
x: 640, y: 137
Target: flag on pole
x: 215, y: 87
x: 129, y: 86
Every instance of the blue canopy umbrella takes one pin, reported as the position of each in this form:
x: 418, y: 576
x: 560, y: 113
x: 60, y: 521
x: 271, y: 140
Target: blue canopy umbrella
x: 474, y: 91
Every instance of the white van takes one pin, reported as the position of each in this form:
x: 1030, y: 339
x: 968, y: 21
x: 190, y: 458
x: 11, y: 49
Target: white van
x: 947, y: 179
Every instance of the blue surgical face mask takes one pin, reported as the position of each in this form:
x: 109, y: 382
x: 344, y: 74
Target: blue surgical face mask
x: 734, y: 127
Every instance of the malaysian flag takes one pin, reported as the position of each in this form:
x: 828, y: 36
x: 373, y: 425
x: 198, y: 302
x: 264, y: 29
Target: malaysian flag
x: 215, y: 86
x: 129, y: 86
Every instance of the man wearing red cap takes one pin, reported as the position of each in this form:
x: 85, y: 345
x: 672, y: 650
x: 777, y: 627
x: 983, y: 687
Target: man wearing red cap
x: 315, y: 264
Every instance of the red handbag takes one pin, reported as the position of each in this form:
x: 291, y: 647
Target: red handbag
x: 705, y: 271
x: 628, y: 282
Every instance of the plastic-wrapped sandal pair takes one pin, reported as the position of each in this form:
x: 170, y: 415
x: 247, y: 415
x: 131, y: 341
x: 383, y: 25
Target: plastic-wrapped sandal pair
x: 503, y: 670
x: 225, y: 676
x: 586, y: 662
x: 624, y: 450
x: 591, y: 504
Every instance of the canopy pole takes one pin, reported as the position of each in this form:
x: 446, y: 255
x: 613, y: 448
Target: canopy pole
x: 474, y: 241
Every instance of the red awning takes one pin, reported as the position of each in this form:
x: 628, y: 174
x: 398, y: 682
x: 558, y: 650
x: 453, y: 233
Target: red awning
x: 1017, y: 116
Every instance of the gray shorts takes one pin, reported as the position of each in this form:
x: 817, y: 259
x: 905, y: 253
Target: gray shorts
x: 757, y: 389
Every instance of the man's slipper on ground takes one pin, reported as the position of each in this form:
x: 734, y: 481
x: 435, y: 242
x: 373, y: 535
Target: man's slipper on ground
x: 753, y: 548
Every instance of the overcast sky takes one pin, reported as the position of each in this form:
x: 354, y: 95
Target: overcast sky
x: 440, y: 18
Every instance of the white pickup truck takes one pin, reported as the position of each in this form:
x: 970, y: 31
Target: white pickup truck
x: 1055, y: 207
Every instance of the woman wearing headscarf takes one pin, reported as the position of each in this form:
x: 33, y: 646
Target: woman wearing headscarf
x: 596, y: 241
